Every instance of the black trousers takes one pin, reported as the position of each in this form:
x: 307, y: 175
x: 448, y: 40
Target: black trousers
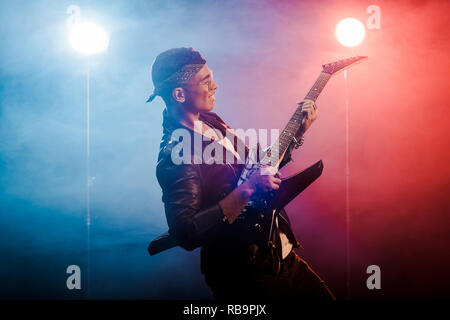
x: 294, y: 279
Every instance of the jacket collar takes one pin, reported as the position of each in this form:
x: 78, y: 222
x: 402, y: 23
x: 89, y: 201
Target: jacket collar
x: 169, y: 124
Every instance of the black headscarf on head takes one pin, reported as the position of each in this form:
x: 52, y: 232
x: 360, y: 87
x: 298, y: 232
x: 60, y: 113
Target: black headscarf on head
x: 174, y: 67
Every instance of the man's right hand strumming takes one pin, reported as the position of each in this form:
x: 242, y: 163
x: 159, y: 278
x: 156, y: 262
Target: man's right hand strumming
x: 235, y: 202
x: 264, y: 182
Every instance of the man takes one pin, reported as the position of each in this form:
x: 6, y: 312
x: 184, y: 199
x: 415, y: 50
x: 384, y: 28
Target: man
x: 203, y: 202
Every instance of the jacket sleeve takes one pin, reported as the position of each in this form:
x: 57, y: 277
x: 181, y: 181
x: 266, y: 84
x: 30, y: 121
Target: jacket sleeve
x: 189, y: 223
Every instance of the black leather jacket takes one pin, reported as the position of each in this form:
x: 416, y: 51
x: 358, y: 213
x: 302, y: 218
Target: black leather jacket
x: 191, y: 193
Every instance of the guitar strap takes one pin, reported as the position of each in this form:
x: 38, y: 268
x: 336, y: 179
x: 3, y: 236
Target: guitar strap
x: 278, y: 245
x: 274, y: 243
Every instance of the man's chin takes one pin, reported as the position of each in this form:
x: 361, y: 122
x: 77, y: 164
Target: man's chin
x: 206, y: 107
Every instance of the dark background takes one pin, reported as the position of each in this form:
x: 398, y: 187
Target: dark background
x: 265, y: 55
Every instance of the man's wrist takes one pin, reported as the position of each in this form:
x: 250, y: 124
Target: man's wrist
x: 249, y: 189
x: 224, y: 216
x: 301, y: 131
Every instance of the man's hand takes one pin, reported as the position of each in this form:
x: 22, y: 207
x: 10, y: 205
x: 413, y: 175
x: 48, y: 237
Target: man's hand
x: 233, y: 203
x: 265, y: 179
x: 309, y: 111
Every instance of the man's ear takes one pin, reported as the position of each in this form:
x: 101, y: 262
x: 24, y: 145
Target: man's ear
x: 179, y: 95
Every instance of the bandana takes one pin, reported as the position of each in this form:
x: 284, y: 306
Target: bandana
x: 174, y: 67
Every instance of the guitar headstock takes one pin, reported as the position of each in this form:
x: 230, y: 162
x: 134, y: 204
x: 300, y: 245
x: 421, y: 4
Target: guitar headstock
x: 340, y: 65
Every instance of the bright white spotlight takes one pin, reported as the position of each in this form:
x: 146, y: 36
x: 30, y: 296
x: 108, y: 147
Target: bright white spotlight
x: 88, y: 38
x: 350, y: 32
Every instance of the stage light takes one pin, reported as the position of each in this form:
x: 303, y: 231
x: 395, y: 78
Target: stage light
x: 88, y: 38
x: 350, y: 32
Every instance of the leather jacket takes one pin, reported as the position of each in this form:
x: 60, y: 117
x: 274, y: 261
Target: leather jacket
x: 191, y: 195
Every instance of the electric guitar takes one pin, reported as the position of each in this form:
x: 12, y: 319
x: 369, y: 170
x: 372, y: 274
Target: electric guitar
x: 291, y: 186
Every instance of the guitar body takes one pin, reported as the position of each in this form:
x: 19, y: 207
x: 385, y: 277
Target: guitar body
x: 290, y: 187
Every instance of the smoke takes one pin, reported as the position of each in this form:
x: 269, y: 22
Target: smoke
x: 265, y: 56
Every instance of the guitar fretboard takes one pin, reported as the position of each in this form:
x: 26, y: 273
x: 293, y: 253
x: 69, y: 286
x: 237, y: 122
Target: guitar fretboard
x: 275, y: 154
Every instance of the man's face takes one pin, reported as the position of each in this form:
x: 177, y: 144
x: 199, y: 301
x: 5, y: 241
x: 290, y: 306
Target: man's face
x: 200, y: 90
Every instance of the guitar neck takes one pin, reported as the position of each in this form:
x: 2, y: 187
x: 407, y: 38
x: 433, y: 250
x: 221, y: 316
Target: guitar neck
x: 290, y: 131
x: 318, y: 86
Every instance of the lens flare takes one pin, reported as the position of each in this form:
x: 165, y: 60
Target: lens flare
x: 88, y: 38
x: 350, y: 32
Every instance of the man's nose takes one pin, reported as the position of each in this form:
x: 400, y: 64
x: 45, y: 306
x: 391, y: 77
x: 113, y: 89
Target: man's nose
x: 214, y: 85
